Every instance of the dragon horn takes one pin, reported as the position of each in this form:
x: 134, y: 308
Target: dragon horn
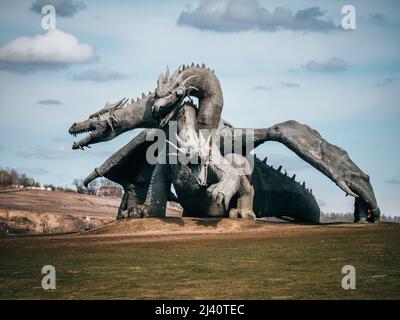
x: 193, y: 88
x: 104, y: 110
x: 109, y: 122
x: 176, y: 147
x: 189, y: 78
x: 167, y: 73
x: 160, y: 80
x: 176, y: 72
x: 119, y: 102
x: 209, y: 141
x: 202, y: 141
x: 115, y: 119
x: 180, y: 141
x: 174, y: 154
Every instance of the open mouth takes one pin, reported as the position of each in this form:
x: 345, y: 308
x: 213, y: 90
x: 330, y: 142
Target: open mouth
x: 94, y: 131
x: 161, y: 111
x: 169, y: 112
x: 165, y: 119
x: 85, y: 140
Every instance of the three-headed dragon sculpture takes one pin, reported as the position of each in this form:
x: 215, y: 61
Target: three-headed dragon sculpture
x: 216, y: 178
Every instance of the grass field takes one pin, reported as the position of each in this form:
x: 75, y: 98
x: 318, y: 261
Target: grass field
x: 289, y: 263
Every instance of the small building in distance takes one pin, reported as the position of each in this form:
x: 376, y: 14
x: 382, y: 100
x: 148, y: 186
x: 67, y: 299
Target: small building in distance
x: 107, y: 191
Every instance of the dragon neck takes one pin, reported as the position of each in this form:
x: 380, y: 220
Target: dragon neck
x: 205, y: 80
x: 209, y: 94
x: 136, y: 113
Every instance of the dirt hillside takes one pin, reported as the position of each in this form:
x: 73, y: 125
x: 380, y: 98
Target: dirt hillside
x: 73, y: 204
x: 37, y: 211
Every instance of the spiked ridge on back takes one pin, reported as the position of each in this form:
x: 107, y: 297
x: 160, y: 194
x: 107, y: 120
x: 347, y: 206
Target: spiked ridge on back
x: 284, y: 175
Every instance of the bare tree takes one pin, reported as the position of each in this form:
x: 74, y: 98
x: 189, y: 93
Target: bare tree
x: 25, y: 181
x: 78, y: 183
x: 93, y: 187
x: 5, y: 178
x: 9, y: 177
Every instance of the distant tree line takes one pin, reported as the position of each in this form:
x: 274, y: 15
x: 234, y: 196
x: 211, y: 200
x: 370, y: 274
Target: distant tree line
x: 349, y: 217
x: 58, y: 188
x: 385, y: 218
x: 11, y: 177
x: 102, y: 187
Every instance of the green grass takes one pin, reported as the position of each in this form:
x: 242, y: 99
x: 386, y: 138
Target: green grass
x: 281, y: 267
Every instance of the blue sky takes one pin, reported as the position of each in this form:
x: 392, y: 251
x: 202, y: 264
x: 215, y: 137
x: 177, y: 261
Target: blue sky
x: 273, y: 64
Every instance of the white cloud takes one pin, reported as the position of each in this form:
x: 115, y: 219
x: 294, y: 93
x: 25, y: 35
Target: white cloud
x: 242, y: 15
x: 49, y: 102
x: 377, y: 16
x: 54, y: 47
x: 261, y: 87
x: 387, y: 81
x: 283, y: 84
x: 290, y: 85
x: 394, y: 180
x: 64, y: 8
x: 99, y: 75
x: 332, y: 65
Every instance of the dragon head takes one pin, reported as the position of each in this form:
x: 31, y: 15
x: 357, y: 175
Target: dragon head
x: 194, y: 149
x: 101, y: 126
x: 171, y: 91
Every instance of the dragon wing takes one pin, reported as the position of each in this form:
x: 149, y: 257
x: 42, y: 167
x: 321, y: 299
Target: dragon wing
x: 128, y: 166
x: 331, y: 160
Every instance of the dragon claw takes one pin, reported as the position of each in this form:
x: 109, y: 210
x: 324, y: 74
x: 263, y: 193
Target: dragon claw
x: 343, y: 185
x: 241, y: 213
x: 218, y: 196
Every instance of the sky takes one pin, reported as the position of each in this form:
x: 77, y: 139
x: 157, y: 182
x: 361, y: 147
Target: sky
x: 276, y: 60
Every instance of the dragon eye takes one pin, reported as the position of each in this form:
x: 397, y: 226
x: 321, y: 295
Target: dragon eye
x: 179, y: 92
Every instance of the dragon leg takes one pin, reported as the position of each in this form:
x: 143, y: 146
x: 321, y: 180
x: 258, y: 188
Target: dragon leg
x: 228, y: 179
x: 129, y: 206
x: 158, y: 192
x: 244, y: 205
x: 243, y: 208
x: 129, y: 168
